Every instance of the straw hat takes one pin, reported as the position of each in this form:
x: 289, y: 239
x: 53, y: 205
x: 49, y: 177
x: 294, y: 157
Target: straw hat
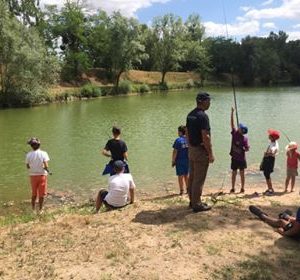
x: 291, y: 146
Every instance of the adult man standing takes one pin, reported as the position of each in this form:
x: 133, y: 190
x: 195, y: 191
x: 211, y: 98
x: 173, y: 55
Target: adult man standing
x: 200, y: 150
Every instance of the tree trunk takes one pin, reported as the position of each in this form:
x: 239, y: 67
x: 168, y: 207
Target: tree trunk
x: 163, y: 77
x: 2, y: 77
x: 117, y: 81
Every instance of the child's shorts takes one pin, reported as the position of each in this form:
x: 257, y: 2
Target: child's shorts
x: 182, y: 167
x: 238, y: 164
x: 291, y: 172
x: 39, y: 185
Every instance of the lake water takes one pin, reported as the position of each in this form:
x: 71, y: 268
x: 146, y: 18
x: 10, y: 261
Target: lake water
x: 74, y: 135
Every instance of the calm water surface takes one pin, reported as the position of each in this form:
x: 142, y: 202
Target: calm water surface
x: 74, y: 135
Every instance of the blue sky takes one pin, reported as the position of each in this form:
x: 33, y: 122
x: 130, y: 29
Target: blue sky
x: 255, y: 18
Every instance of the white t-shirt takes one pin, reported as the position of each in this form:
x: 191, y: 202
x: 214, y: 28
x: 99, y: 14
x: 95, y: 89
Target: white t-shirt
x: 273, y: 148
x: 36, y: 160
x: 118, y: 189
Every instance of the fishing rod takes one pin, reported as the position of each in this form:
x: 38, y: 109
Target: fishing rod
x: 286, y: 136
x: 231, y: 71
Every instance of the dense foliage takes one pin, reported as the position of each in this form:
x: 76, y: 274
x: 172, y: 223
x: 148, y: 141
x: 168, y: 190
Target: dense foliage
x: 38, y: 46
x: 26, y: 67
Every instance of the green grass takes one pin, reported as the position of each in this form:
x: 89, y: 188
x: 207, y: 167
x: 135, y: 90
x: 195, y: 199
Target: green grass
x: 255, y: 268
x: 24, y: 215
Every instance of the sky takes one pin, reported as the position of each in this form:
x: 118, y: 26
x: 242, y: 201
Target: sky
x: 238, y: 18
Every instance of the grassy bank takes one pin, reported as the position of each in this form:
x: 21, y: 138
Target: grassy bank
x: 158, y: 237
x: 136, y: 82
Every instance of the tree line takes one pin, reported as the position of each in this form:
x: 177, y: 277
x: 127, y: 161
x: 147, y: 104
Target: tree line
x: 39, y: 47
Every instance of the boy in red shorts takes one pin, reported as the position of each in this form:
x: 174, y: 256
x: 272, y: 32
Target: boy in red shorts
x: 37, y: 165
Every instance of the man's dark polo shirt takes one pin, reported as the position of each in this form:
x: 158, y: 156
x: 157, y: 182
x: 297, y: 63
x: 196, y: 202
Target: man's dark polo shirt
x: 196, y: 121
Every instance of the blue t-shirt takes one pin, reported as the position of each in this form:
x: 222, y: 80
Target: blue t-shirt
x: 181, y: 146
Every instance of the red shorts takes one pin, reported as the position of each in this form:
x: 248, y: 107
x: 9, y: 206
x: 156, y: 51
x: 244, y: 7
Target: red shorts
x: 39, y: 185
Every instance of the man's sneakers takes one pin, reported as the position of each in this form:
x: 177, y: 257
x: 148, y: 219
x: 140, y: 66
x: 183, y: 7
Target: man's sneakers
x: 257, y: 212
x: 201, y: 208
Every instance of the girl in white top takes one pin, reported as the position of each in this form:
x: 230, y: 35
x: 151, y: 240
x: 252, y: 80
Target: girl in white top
x: 269, y: 159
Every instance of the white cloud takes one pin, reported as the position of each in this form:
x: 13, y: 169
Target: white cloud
x: 239, y: 29
x: 245, y: 8
x: 126, y: 7
x: 270, y: 25
x: 296, y: 26
x: 289, y: 9
x: 293, y: 35
x: 268, y: 2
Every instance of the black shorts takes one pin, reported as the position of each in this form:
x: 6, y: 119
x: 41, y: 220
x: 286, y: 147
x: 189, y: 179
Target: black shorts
x: 238, y: 164
x: 267, y: 166
x: 103, y: 194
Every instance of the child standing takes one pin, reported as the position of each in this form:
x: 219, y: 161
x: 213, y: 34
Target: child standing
x: 180, y: 159
x: 292, y: 165
x: 37, y: 164
x: 116, y: 149
x: 239, y: 147
x: 268, y: 162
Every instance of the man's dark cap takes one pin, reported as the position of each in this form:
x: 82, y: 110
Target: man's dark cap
x: 202, y: 96
x: 119, y: 165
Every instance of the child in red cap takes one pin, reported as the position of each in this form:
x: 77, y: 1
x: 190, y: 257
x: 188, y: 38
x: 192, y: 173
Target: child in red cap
x: 292, y: 165
x: 267, y: 165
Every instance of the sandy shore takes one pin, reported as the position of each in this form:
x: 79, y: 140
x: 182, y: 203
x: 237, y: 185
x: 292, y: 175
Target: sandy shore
x: 156, y: 238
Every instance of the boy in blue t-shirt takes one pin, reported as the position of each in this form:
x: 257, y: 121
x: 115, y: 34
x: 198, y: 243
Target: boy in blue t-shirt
x: 180, y: 158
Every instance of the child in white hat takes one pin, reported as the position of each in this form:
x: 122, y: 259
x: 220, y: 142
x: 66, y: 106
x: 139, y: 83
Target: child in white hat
x: 292, y: 165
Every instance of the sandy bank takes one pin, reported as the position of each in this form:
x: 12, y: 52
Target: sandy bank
x: 156, y: 238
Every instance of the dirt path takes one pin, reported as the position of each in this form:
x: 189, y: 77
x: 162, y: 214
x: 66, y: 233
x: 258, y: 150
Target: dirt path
x: 156, y: 238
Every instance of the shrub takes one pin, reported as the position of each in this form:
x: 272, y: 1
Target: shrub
x: 106, y: 90
x: 190, y: 83
x: 163, y: 86
x: 21, y: 98
x: 125, y: 87
x: 90, y: 90
x: 144, y: 88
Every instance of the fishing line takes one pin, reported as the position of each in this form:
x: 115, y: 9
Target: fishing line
x: 286, y: 136
x: 231, y: 70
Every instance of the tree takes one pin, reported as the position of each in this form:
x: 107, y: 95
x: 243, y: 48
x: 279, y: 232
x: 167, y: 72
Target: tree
x: 225, y: 55
x: 26, y: 68
x: 26, y: 10
x: 125, y: 47
x: 167, y: 43
x: 292, y: 59
x: 70, y: 26
x: 194, y: 29
x: 249, y: 61
x: 98, y: 39
x: 195, y: 55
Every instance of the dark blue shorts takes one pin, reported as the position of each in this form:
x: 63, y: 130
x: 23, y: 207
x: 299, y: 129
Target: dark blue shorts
x: 182, y: 167
x: 237, y: 164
